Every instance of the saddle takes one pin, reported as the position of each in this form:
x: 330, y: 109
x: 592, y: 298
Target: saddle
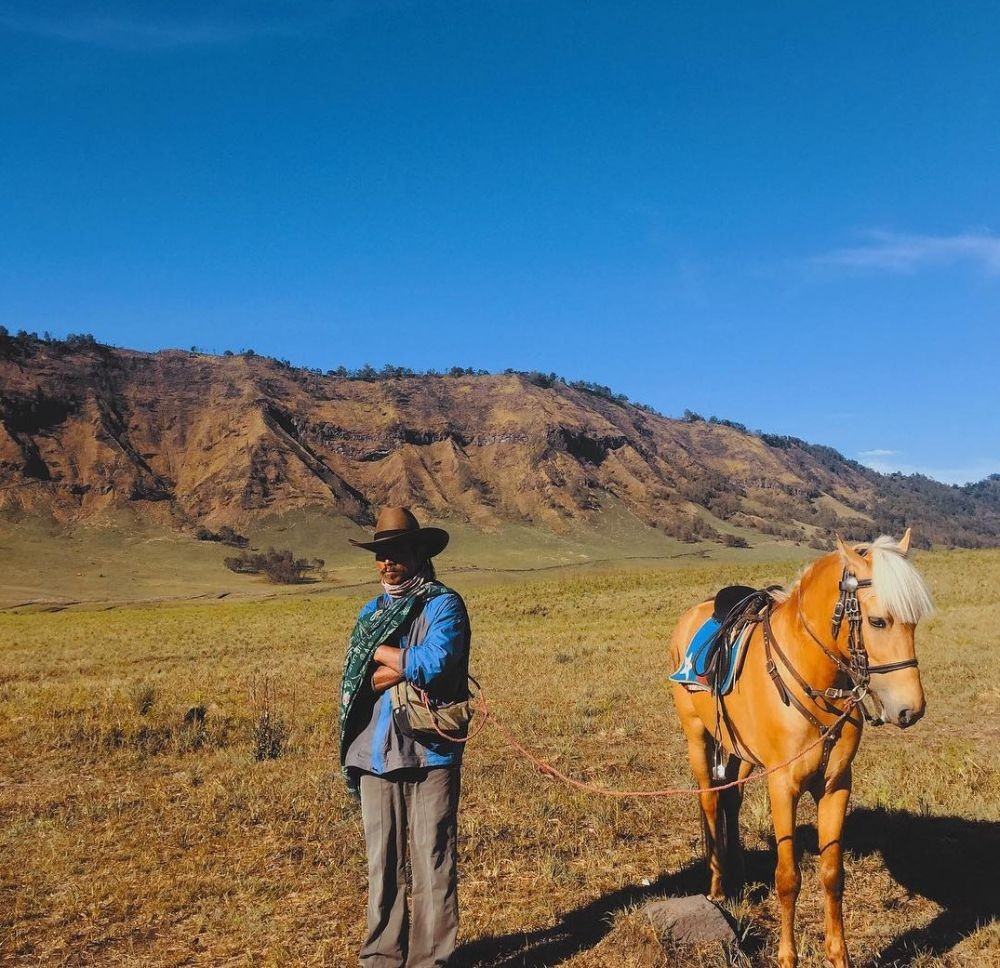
x: 713, y: 657
x: 726, y: 599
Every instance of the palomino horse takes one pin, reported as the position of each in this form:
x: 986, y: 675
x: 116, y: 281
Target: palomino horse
x: 843, y: 634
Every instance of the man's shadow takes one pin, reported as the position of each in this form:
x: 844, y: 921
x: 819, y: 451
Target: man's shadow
x: 577, y: 930
x: 948, y: 860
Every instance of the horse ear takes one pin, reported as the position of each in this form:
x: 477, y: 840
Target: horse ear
x: 849, y: 556
x: 904, y: 543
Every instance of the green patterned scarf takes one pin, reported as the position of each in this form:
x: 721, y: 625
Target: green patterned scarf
x: 369, y: 633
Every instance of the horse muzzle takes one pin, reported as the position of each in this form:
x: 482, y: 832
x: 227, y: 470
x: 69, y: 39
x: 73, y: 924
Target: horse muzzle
x: 901, y: 706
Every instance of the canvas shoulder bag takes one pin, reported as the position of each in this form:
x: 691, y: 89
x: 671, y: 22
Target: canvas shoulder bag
x: 420, y: 717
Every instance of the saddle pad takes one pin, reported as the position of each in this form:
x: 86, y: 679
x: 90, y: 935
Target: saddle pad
x: 691, y: 673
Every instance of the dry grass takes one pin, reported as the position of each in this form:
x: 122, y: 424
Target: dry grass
x: 169, y: 792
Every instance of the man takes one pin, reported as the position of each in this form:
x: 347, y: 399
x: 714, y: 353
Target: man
x: 417, y: 630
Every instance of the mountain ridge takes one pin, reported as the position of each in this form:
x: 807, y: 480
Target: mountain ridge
x: 191, y: 439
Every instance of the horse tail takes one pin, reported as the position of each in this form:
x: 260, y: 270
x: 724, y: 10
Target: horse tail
x: 728, y: 845
x: 734, y: 844
x: 722, y: 838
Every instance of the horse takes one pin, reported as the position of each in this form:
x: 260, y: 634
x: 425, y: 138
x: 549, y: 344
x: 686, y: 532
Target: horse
x: 819, y: 660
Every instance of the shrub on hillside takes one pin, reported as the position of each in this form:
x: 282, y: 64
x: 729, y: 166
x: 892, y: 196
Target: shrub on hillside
x: 225, y: 535
x: 691, y: 529
x: 278, y: 567
x: 734, y: 541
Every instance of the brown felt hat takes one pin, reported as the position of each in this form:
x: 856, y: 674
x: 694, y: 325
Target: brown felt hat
x: 398, y: 526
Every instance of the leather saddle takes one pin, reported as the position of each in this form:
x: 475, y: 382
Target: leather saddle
x: 726, y: 599
x: 735, y: 609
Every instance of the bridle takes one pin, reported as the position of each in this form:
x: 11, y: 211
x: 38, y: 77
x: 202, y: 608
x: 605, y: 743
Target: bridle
x: 857, y: 669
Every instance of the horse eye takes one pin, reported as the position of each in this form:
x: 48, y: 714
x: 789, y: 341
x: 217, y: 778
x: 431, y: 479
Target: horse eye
x: 877, y: 623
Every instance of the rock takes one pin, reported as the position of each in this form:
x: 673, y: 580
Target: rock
x: 690, y: 920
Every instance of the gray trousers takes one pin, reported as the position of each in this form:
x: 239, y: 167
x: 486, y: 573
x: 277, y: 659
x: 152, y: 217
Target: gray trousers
x: 416, y: 809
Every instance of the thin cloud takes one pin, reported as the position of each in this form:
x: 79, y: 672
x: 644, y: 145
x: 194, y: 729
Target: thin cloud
x: 134, y: 26
x: 882, y: 460
x: 877, y: 452
x: 906, y: 254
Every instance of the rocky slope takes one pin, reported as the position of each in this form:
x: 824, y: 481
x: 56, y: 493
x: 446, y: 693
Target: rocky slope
x: 189, y: 438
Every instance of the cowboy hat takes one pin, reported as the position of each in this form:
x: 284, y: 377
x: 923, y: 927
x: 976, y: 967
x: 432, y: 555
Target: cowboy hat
x: 398, y: 526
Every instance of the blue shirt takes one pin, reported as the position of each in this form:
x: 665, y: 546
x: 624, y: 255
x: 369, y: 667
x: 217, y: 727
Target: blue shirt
x: 435, y: 658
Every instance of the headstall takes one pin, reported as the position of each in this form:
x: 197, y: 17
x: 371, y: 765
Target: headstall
x: 857, y: 669
x: 849, y: 607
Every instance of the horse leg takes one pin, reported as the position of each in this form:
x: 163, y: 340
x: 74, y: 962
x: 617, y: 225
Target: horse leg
x: 784, y: 796
x: 831, y: 810
x: 713, y: 824
x: 700, y: 748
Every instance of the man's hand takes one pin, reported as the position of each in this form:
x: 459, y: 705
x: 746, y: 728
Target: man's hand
x: 388, y: 668
x: 385, y: 678
x: 390, y: 657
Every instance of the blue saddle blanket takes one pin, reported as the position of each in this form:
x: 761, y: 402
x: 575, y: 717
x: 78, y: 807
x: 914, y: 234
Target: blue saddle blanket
x: 693, y: 670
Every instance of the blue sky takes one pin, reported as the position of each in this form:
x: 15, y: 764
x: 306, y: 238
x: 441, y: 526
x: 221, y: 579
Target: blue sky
x: 780, y: 213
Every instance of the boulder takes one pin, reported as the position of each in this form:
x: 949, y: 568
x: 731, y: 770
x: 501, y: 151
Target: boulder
x: 690, y: 920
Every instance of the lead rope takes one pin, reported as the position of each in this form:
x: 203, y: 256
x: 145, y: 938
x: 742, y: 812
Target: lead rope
x: 548, y: 769
x: 847, y: 606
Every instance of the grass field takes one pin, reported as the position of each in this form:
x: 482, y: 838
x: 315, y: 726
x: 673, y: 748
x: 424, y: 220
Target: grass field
x: 122, y: 558
x: 139, y: 827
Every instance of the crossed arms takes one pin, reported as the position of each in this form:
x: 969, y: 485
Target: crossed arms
x: 388, y: 667
x: 443, y: 644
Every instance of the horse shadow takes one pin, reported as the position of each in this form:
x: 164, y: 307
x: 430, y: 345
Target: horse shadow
x: 948, y: 860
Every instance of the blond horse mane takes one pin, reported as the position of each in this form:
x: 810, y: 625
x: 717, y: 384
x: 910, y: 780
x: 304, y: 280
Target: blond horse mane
x: 896, y: 583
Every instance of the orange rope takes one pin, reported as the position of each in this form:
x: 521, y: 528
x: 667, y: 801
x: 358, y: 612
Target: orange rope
x: 550, y: 770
